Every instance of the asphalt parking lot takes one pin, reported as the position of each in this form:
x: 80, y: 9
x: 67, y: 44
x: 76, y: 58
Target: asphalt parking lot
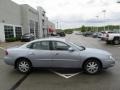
x: 41, y: 79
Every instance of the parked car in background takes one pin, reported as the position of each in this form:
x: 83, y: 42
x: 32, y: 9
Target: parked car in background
x: 57, y: 53
x: 104, y: 34
x: 53, y: 34
x: 27, y: 37
x: 61, y: 34
x: 95, y: 35
x: 99, y: 35
x: 86, y: 34
x: 113, y: 38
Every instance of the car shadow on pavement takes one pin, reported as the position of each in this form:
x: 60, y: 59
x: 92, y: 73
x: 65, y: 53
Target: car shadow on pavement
x: 59, y: 70
x: 103, y: 73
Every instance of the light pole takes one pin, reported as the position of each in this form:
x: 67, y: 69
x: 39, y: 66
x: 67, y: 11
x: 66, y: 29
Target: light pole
x: 97, y: 20
x: 104, y: 12
x: 60, y: 26
x: 118, y: 3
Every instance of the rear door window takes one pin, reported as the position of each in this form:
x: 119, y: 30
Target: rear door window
x: 42, y: 45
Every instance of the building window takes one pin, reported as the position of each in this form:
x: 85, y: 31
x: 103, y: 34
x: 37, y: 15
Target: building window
x: 36, y: 30
x: 31, y: 26
x: 43, y: 13
x: 18, y: 32
x: 8, y: 32
x: 43, y: 32
x: 43, y: 22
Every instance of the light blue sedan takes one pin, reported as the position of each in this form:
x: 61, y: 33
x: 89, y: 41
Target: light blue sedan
x: 57, y: 53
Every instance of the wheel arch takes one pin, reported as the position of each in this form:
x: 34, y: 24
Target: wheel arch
x: 18, y: 59
x: 90, y: 59
x: 116, y: 37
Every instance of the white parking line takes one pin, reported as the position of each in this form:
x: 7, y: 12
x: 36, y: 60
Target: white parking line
x: 65, y: 75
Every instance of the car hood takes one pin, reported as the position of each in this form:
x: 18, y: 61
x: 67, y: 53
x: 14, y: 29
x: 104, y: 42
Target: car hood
x: 96, y: 51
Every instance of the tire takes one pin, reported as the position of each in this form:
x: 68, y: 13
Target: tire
x: 23, y: 66
x: 116, y: 41
x: 92, y: 66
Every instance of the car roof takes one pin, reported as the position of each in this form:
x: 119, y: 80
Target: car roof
x: 50, y: 39
x: 44, y: 39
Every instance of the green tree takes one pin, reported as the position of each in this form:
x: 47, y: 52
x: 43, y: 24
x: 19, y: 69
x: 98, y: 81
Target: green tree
x: 68, y: 31
x: 83, y: 29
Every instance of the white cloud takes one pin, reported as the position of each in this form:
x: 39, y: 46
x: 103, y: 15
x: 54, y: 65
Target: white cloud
x: 74, y: 13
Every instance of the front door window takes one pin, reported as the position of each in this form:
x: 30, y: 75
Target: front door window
x: 60, y: 46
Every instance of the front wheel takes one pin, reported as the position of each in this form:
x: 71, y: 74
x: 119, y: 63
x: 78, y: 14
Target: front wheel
x: 92, y: 66
x: 23, y: 66
x: 116, y: 41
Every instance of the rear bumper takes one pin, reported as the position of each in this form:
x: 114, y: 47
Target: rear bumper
x: 8, y: 60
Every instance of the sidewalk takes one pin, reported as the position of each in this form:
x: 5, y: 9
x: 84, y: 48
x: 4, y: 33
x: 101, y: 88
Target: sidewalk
x: 10, y: 44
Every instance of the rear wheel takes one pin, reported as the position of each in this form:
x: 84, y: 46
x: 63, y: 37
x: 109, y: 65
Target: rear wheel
x: 23, y: 66
x: 92, y: 66
x: 116, y: 41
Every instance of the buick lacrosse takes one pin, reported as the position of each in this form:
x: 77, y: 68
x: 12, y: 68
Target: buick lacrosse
x: 57, y: 53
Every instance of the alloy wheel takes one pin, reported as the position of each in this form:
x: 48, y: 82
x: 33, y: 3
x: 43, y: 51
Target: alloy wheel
x: 92, y: 66
x: 116, y: 42
x: 24, y: 66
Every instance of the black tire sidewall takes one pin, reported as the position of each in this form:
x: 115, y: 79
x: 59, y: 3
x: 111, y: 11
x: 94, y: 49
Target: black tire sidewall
x: 115, y: 40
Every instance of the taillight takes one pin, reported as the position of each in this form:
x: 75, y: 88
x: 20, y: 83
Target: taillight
x: 6, y: 53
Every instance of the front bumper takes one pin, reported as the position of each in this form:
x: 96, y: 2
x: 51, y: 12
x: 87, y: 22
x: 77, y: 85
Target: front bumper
x: 104, y: 38
x: 108, y: 63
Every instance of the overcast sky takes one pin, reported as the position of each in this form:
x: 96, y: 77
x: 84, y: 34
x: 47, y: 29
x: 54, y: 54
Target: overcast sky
x: 74, y: 13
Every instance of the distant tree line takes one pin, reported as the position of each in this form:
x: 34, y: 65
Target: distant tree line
x: 93, y: 28
x: 69, y: 31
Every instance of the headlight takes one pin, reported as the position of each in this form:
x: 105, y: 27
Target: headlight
x: 111, y: 58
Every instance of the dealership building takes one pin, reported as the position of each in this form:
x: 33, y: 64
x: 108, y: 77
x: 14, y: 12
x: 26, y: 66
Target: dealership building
x: 16, y: 20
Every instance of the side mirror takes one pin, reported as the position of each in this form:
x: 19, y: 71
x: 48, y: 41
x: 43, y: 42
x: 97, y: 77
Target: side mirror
x: 71, y: 49
x: 83, y: 48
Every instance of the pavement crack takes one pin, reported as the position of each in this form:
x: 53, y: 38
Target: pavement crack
x: 18, y: 83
